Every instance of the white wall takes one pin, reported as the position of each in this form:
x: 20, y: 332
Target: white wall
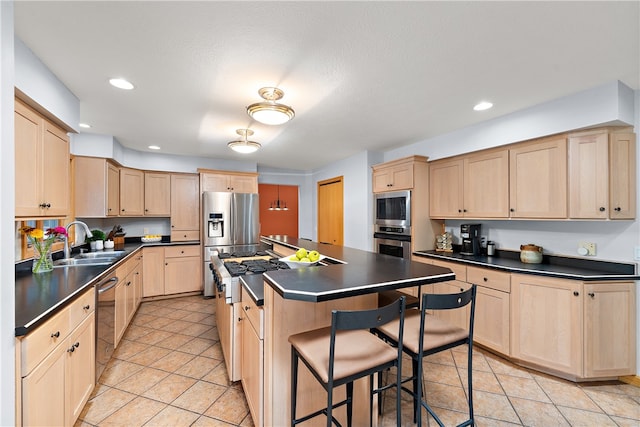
x: 7, y: 210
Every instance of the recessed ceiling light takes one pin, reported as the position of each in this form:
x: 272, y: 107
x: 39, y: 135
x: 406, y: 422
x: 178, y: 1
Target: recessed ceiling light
x: 484, y: 105
x: 84, y: 125
x: 154, y: 147
x: 121, y: 84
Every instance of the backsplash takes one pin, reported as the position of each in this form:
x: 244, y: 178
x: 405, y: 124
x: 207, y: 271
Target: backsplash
x: 132, y: 226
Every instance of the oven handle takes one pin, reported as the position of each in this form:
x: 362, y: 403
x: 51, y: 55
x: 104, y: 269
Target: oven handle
x: 388, y: 236
x: 102, y: 289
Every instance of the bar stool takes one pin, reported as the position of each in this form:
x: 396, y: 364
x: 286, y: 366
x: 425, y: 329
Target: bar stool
x: 426, y: 334
x: 345, y: 352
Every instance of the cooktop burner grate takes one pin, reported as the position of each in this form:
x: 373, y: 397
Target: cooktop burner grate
x: 254, y: 266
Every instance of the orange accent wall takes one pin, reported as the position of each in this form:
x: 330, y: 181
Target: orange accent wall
x: 278, y: 222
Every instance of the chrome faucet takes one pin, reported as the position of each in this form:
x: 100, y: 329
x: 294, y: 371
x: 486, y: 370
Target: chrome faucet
x: 67, y: 251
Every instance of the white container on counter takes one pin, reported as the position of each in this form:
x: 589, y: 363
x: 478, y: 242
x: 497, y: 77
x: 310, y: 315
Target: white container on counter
x: 531, y: 254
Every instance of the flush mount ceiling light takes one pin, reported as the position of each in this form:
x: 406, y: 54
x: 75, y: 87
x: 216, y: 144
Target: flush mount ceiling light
x: 243, y: 146
x: 481, y: 106
x: 154, y: 147
x: 269, y: 111
x: 84, y: 125
x: 121, y: 84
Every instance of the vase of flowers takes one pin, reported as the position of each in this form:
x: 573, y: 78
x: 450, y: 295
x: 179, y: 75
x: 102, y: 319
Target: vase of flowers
x: 41, y: 243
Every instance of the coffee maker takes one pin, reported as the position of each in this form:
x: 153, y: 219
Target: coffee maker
x: 470, y: 234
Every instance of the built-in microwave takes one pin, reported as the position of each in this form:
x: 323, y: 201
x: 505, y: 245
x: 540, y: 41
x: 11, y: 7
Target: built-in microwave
x: 393, y: 208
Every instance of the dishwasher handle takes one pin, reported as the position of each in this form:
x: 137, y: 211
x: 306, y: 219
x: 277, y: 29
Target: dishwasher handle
x: 107, y: 284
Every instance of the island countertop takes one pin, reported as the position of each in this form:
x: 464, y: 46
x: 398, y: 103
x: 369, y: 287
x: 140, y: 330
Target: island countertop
x: 348, y: 272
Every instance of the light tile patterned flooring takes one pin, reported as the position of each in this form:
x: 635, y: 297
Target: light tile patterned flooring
x: 169, y: 371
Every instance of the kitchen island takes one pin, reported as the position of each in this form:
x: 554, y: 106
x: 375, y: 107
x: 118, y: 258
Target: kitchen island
x: 302, y: 299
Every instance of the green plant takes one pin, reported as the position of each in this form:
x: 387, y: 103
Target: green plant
x: 97, y: 235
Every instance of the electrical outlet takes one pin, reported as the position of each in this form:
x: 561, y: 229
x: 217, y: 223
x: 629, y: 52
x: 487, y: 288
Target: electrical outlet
x: 587, y: 248
x: 145, y: 231
x: 636, y: 253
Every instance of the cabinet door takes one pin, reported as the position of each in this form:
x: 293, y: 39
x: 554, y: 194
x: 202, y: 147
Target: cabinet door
x: 215, y: 182
x: 243, y: 184
x: 610, y: 333
x: 120, y: 316
x: 253, y: 370
x: 80, y: 368
x: 491, y: 320
x: 382, y: 180
x: 622, y: 181
x: 28, y: 161
x: 182, y: 275
x: 589, y: 176
x: 157, y: 194
x: 538, y: 179
x: 402, y: 177
x: 546, y: 322
x: 137, y: 285
x: 446, y: 189
x: 458, y: 317
x: 113, y: 190
x: 131, y: 192
x: 55, y: 182
x: 185, y: 203
x: 43, y: 393
x: 152, y: 271
x: 486, y: 185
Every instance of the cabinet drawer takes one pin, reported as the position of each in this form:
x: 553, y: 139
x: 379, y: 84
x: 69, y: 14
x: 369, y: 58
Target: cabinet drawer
x: 43, y: 340
x: 458, y: 269
x: 497, y: 280
x: 185, y: 235
x: 253, y: 313
x: 181, y: 251
x: 82, y: 308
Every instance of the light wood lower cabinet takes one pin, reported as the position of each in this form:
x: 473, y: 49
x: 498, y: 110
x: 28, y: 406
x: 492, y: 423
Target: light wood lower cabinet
x: 128, y: 295
x: 171, y: 270
x: 253, y: 357
x: 57, y: 365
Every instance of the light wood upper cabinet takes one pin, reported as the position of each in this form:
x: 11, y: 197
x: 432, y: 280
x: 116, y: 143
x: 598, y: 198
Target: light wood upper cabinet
x: 395, y: 175
x: 41, y: 165
x: 233, y: 182
x: 131, y: 192
x: 602, y: 180
x: 472, y: 186
x: 446, y: 188
x: 538, y: 178
x: 97, y: 187
x: 185, y: 207
x: 622, y: 175
x: 157, y: 194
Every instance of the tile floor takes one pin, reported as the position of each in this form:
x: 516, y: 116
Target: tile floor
x: 169, y: 371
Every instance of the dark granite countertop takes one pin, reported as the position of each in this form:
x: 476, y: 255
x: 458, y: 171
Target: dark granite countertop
x: 39, y: 296
x: 254, y: 284
x: 552, y: 266
x: 349, y: 272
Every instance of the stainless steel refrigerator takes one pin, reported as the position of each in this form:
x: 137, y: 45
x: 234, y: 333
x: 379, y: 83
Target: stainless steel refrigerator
x: 230, y: 220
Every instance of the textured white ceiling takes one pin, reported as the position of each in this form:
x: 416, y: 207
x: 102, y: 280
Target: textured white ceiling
x: 360, y: 75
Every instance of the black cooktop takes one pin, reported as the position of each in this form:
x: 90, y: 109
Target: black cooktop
x: 254, y: 266
x: 240, y: 254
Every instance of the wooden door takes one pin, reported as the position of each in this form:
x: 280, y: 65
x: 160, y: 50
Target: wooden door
x: 446, y: 188
x: 56, y: 170
x: 486, y: 184
x: 131, y: 192
x: 622, y: 182
x: 331, y: 211
x: 609, y: 314
x: 538, y: 179
x: 589, y: 176
x: 546, y: 322
x: 28, y: 160
x: 157, y: 194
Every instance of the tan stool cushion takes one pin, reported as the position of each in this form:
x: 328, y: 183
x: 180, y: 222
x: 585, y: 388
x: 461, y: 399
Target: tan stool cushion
x: 356, y: 351
x: 437, y: 332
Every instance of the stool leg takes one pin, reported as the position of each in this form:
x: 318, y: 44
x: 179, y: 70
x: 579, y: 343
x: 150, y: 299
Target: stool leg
x: 414, y: 372
x: 349, y: 403
x: 294, y: 384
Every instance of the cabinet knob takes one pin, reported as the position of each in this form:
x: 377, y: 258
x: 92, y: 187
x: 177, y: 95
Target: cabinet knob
x: 618, y: 209
x: 146, y: 210
x: 55, y: 334
x: 459, y: 210
x: 128, y: 283
x: 86, y: 307
x: 512, y: 210
x: 173, y: 226
x: 246, y: 308
x: 464, y: 210
x: 48, y: 205
x: 122, y: 210
x: 73, y: 347
x: 576, y: 293
x: 591, y: 294
x: 485, y: 279
x: 166, y: 263
x: 602, y: 209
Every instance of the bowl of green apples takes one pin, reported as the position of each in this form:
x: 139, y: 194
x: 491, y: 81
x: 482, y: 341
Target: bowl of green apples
x: 303, y: 258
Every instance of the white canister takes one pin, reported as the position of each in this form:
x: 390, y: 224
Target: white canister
x: 99, y: 245
x: 531, y: 254
x: 108, y: 244
x: 93, y: 244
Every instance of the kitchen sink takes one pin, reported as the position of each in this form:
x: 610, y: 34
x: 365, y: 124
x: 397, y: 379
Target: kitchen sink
x: 98, y: 255
x: 77, y: 262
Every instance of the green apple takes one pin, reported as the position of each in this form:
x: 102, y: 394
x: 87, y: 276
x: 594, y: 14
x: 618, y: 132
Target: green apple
x: 314, y: 256
x: 293, y: 258
x: 301, y: 253
x: 305, y: 259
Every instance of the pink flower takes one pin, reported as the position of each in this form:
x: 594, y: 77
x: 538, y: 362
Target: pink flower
x: 57, y: 231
